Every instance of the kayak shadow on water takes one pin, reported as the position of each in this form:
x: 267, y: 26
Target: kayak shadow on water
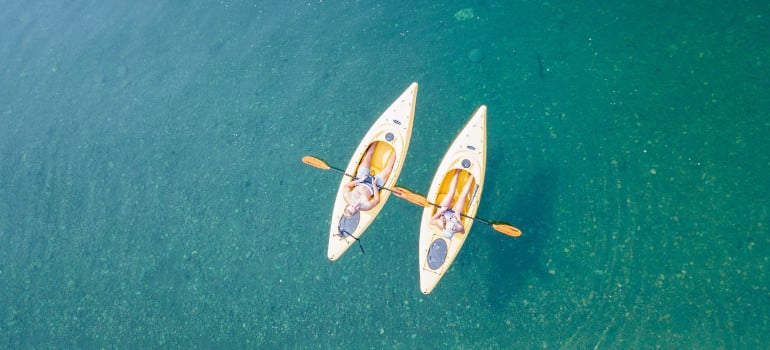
x: 513, y: 261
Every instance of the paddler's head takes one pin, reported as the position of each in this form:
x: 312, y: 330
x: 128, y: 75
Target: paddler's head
x: 352, y: 208
x: 449, y: 230
x: 449, y: 227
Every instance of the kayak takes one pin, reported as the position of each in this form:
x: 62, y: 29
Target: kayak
x: 468, y: 154
x: 393, y: 130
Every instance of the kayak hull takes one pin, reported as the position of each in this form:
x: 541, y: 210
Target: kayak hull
x: 393, y: 129
x: 467, y: 153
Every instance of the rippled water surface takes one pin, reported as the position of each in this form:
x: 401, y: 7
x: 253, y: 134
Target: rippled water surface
x: 152, y: 194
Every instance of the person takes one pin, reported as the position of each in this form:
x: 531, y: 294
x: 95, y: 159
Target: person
x: 363, y: 193
x: 450, y: 220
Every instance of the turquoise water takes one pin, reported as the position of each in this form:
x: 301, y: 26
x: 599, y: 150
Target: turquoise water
x: 152, y: 194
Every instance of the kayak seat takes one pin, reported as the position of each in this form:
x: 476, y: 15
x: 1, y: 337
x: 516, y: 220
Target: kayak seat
x: 381, y: 155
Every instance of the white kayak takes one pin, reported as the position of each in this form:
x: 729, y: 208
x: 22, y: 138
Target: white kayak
x: 468, y: 154
x: 393, y: 130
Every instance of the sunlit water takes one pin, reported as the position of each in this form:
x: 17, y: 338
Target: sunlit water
x: 151, y: 193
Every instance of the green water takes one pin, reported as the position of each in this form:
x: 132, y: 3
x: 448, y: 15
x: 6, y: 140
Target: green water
x: 152, y: 194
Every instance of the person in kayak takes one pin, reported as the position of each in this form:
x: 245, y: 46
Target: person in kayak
x: 363, y: 193
x: 450, y: 220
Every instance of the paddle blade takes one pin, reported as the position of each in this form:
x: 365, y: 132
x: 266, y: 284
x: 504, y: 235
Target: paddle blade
x: 507, y: 229
x: 410, y: 196
x: 315, y: 162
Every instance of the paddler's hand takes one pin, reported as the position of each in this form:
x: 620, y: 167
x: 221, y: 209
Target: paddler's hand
x: 376, y: 195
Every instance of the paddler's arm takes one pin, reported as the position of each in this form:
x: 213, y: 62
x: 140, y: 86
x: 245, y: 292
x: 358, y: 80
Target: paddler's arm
x: 348, y: 188
x: 461, y: 228
x: 439, y: 212
x: 346, y: 194
x: 435, y: 220
x: 376, y: 195
x: 350, y: 184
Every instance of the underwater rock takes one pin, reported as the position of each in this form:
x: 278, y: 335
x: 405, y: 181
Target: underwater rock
x: 475, y: 55
x: 464, y: 14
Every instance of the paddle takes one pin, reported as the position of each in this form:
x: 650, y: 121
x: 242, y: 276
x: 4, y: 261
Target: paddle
x: 321, y: 164
x: 414, y: 197
x: 423, y: 202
